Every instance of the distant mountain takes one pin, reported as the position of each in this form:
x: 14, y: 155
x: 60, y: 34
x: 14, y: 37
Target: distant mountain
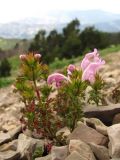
x: 27, y: 28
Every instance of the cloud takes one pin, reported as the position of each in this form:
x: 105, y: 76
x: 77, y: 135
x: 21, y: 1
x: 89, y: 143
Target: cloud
x: 11, y: 10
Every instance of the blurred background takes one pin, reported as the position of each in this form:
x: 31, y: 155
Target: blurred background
x: 62, y: 31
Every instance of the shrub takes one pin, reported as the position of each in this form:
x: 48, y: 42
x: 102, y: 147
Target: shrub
x: 46, y: 113
x: 5, y: 68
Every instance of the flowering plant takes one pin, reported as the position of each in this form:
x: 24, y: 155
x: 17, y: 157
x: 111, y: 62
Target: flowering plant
x: 45, y: 113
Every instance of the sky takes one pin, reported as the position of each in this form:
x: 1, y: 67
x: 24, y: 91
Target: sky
x: 14, y: 10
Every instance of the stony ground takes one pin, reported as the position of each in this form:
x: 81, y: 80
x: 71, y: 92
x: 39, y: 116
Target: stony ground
x: 10, y: 108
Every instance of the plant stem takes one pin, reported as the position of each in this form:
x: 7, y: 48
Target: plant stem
x: 36, y: 89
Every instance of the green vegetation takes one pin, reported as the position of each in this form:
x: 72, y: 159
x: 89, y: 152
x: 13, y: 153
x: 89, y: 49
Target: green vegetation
x: 71, y: 42
x: 14, y: 62
x: 59, y: 49
x: 5, y: 68
x: 6, y: 81
x: 111, y: 49
x: 57, y: 64
x: 6, y: 44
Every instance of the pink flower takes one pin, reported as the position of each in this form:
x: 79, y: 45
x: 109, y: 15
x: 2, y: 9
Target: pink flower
x: 22, y: 57
x: 89, y: 58
x: 70, y: 69
x: 37, y: 56
x: 90, y: 72
x: 57, y: 78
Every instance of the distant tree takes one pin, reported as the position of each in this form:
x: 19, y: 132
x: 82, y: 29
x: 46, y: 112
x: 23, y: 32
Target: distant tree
x: 90, y: 38
x: 5, y: 68
x: 55, y: 43
x: 16, y: 46
x: 72, y: 42
x: 73, y: 26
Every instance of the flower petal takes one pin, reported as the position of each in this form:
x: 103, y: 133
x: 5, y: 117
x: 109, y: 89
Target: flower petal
x: 57, y: 78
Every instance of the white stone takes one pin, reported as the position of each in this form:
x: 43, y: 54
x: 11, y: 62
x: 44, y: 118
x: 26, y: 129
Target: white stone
x: 82, y: 148
x: 114, y: 137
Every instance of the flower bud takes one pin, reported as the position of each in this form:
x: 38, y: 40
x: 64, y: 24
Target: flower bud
x: 37, y: 56
x: 22, y: 57
x: 71, y: 68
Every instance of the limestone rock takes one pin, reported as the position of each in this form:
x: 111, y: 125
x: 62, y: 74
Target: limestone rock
x: 116, y: 119
x: 82, y: 148
x: 75, y: 156
x: 15, y: 132
x: 9, y: 146
x: 96, y: 124
x: 9, y: 155
x: 87, y: 135
x: 44, y: 158
x: 27, y: 145
x: 102, y: 112
x: 114, y: 137
x: 59, y: 153
x: 4, y: 137
x: 100, y: 152
x: 65, y: 131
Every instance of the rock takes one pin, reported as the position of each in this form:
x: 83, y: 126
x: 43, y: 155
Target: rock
x: 96, y: 124
x: 27, y: 132
x: 102, y: 130
x: 4, y: 137
x: 23, y: 144
x: 102, y: 112
x: 100, y: 152
x: 87, y: 135
x: 115, y: 159
x: 116, y: 119
x: 82, y: 148
x: 48, y: 157
x: 9, y: 146
x: 15, y: 132
x: 9, y: 155
x: 27, y: 145
x: 8, y: 127
x: 8, y: 122
x: 64, y: 133
x: 59, y: 153
x: 114, y: 137
x: 75, y: 156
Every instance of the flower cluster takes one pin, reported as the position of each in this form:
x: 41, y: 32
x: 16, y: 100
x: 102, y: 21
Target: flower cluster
x: 46, y: 115
x: 90, y: 65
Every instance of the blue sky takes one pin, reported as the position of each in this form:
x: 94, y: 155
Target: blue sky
x: 12, y: 10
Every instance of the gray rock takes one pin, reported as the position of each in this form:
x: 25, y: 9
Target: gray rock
x: 87, y: 135
x: 27, y: 145
x: 102, y: 112
x: 115, y: 159
x: 44, y: 158
x: 75, y: 156
x: 24, y: 143
x: 59, y: 153
x: 4, y: 137
x: 114, y: 137
x: 15, y: 132
x: 64, y: 131
x: 9, y: 146
x: 116, y: 119
x: 82, y: 148
x: 9, y: 155
x: 100, y: 152
x: 96, y: 124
